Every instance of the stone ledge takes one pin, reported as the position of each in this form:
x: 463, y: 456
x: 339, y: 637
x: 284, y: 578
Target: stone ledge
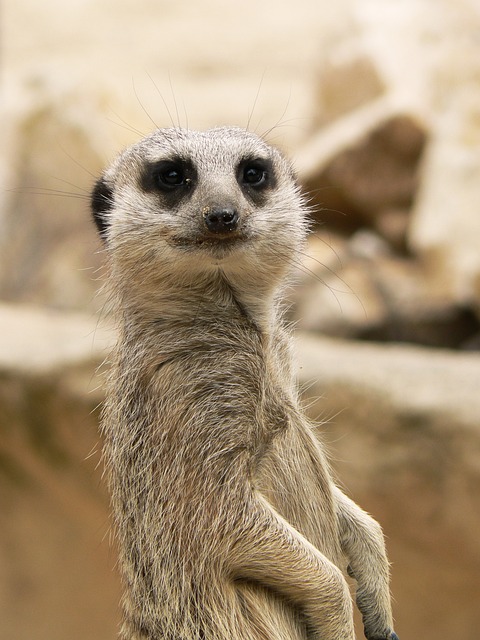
x: 37, y: 341
x: 411, y: 379
x: 401, y: 423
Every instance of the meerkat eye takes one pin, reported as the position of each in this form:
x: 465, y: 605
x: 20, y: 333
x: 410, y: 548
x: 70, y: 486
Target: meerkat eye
x: 168, y: 176
x: 254, y: 174
x: 256, y: 177
x: 176, y: 177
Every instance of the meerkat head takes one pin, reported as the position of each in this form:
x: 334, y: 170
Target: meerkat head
x: 180, y: 204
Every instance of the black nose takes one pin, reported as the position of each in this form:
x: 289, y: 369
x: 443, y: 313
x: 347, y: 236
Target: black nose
x: 221, y: 219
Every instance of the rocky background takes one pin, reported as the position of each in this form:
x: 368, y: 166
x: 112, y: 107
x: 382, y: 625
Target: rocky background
x: 378, y: 103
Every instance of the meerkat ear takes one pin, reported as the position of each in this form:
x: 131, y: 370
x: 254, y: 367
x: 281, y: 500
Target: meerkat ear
x: 101, y: 203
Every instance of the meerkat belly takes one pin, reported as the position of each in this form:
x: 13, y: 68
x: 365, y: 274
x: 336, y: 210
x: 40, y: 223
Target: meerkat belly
x: 294, y: 477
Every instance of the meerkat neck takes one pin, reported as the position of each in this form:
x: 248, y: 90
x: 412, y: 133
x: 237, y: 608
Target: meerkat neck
x: 213, y: 299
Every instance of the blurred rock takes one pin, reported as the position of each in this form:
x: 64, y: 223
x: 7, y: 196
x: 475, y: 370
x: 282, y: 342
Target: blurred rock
x: 388, y: 78
x: 416, y: 311
x: 347, y: 78
x: 336, y: 294
x: 48, y: 246
x: 403, y: 429
x: 393, y: 225
x: 361, y: 289
x: 56, y: 564
x: 425, y: 51
x: 380, y: 171
x: 362, y: 165
x: 445, y: 228
x: 364, y: 157
x: 428, y: 54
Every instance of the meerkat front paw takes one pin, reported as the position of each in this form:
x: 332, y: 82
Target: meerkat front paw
x: 390, y: 635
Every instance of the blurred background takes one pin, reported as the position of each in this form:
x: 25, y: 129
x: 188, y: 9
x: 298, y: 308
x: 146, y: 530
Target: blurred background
x: 378, y: 104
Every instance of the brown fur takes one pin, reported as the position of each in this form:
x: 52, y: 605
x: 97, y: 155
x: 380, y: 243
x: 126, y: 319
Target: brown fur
x: 229, y: 524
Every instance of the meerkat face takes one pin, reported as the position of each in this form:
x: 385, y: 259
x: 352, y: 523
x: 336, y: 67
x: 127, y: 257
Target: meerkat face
x: 185, y: 201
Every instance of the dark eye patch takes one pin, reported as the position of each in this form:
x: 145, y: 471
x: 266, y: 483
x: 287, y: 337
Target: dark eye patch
x: 255, y: 176
x: 173, y: 177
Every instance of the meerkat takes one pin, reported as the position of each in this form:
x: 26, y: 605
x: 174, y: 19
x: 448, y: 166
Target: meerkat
x: 229, y: 524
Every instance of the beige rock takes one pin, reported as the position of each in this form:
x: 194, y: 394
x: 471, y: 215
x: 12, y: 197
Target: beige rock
x: 339, y: 300
x: 403, y: 430
x: 360, y: 289
x: 48, y: 244
x: 417, y: 311
x: 153, y: 62
x: 56, y: 564
x: 428, y: 52
x: 393, y: 225
x: 363, y: 164
x: 445, y: 227
x: 380, y: 171
x: 422, y: 49
x: 341, y: 134
x: 347, y: 78
x: 39, y: 342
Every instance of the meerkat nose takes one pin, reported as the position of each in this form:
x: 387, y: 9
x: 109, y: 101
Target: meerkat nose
x: 221, y: 219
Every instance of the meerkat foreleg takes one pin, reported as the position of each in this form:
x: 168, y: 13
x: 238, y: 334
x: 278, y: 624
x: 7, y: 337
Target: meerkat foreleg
x: 271, y: 552
x: 363, y: 544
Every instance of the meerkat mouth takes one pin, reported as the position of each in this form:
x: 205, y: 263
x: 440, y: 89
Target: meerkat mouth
x: 215, y: 244
x: 218, y: 243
